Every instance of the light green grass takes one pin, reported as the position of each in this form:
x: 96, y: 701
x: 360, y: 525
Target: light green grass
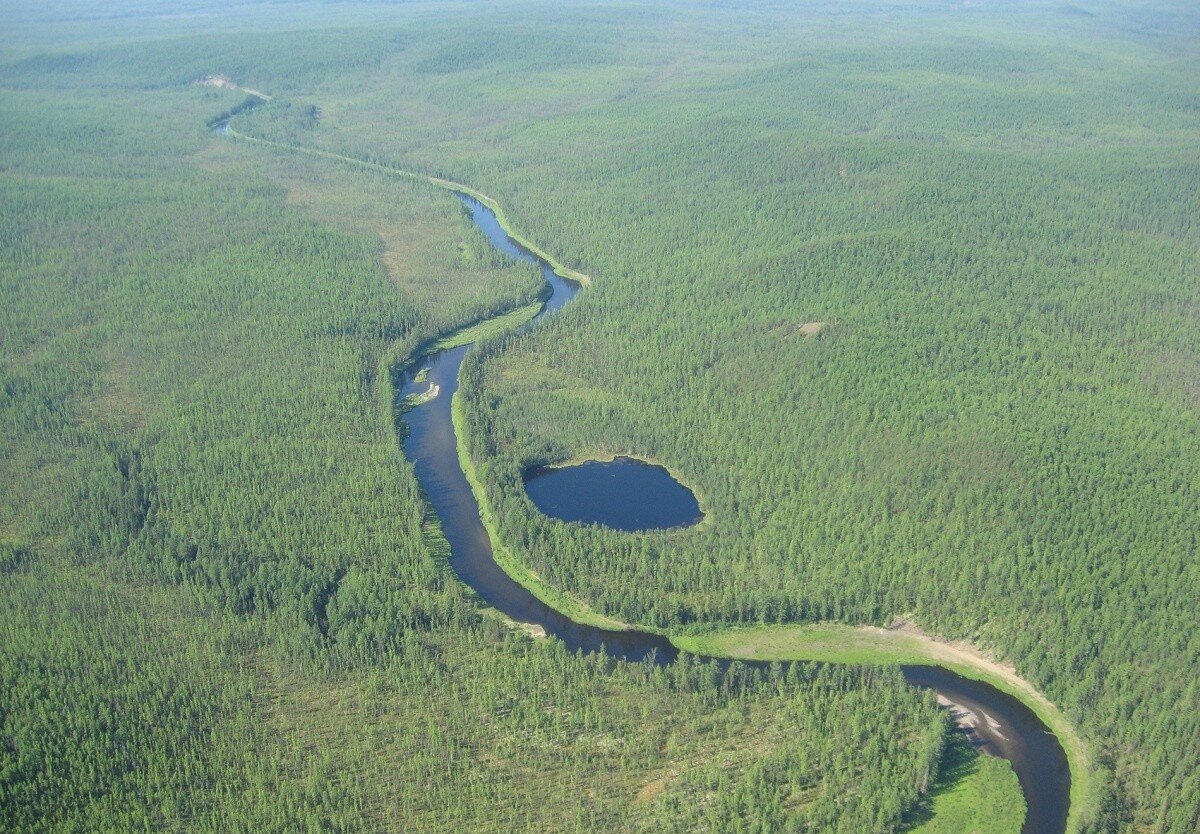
x: 828, y: 642
x: 486, y: 328
x: 974, y: 794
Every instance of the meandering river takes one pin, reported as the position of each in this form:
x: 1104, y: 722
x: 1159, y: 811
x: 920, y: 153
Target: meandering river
x: 996, y: 722
x: 1003, y: 725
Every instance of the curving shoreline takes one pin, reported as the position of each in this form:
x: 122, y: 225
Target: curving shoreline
x: 703, y: 522
x: 505, y: 583
x: 623, y: 493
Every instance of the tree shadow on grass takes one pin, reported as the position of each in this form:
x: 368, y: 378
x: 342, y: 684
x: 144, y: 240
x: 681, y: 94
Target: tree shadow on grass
x: 959, y: 762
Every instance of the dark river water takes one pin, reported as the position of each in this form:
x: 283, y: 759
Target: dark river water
x: 221, y: 123
x: 624, y: 493
x: 1006, y: 727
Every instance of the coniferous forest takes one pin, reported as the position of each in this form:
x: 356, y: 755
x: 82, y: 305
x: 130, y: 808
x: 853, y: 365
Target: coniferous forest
x: 908, y: 294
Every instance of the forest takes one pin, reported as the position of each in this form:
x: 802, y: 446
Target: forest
x: 906, y: 293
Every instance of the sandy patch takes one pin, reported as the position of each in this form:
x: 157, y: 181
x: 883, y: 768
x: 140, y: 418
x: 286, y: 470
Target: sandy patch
x: 650, y: 790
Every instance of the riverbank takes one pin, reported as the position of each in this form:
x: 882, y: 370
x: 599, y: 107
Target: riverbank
x: 483, y: 329
x: 566, y: 604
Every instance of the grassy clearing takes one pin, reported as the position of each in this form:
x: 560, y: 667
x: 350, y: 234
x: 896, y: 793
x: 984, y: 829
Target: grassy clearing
x: 827, y: 642
x: 415, y: 226
x: 974, y: 794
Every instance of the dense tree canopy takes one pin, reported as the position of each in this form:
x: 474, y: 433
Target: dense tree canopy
x: 907, y: 294
x: 225, y: 605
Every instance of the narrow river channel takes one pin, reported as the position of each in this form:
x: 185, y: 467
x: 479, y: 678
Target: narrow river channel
x: 1003, y: 725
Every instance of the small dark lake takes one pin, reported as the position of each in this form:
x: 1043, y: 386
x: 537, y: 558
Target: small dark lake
x: 625, y: 494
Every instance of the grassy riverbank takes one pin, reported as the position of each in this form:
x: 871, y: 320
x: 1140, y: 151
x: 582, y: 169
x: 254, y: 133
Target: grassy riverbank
x: 565, y: 604
x: 488, y: 327
x: 973, y: 794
